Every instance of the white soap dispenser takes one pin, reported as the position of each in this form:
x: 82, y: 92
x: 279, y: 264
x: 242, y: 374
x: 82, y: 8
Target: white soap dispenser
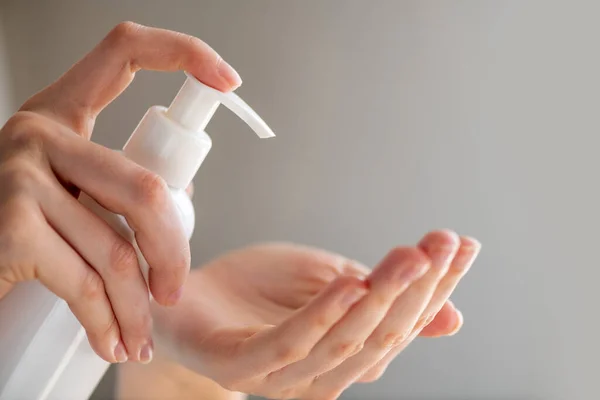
x: 45, y: 352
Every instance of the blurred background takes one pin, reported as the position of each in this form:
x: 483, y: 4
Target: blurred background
x: 392, y: 118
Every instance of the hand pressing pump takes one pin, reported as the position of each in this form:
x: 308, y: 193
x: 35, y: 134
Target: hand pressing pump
x: 44, y: 350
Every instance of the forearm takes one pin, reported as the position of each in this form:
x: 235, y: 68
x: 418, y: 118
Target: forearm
x: 163, y: 380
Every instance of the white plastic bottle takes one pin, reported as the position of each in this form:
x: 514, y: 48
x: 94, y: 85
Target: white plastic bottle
x: 44, y: 352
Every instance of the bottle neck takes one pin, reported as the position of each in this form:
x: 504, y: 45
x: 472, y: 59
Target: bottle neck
x: 166, y: 148
x: 193, y: 108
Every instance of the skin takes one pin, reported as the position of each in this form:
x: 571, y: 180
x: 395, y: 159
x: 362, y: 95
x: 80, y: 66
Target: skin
x: 46, y: 159
x: 278, y: 320
x: 285, y: 321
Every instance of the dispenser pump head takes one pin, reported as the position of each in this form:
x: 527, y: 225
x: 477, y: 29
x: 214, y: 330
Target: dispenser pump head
x: 196, y: 103
x: 171, y: 142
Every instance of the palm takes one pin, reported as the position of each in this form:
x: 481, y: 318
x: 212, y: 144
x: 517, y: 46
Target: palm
x: 239, y: 294
x: 263, y: 285
x: 257, y: 286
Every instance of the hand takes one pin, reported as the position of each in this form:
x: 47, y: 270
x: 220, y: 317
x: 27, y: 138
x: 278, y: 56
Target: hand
x: 284, y: 321
x: 46, y: 158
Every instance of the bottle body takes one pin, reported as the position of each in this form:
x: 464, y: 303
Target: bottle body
x: 44, y: 348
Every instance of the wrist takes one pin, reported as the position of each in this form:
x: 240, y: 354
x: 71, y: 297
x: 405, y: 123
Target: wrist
x: 163, y: 380
x: 165, y: 377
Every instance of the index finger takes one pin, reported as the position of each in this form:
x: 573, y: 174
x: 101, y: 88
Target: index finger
x: 78, y: 96
x: 124, y: 188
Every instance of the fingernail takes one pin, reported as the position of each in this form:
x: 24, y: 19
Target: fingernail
x: 229, y: 74
x: 175, y: 296
x: 120, y: 353
x: 459, y: 323
x: 146, y: 353
x: 353, y: 296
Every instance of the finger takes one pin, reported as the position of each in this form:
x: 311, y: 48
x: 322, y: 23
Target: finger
x: 36, y: 251
x: 440, y: 247
x: 114, y: 258
x: 354, y: 268
x: 445, y: 323
x: 390, y: 279
x: 67, y: 275
x: 95, y: 81
x: 461, y: 263
x: 127, y: 189
x: 464, y: 258
x: 293, y: 339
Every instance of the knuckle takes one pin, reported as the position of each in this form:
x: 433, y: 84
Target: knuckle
x: 18, y: 122
x: 21, y: 174
x: 139, y: 327
x: 92, y: 287
x: 423, y: 321
x: 124, y: 31
x: 123, y: 257
x: 346, y: 349
x: 391, y: 340
x: 287, y: 354
x: 192, y: 41
x: 153, y: 191
x: 23, y: 131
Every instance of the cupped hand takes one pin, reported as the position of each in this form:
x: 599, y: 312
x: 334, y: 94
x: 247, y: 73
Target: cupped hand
x: 46, y: 159
x: 284, y: 321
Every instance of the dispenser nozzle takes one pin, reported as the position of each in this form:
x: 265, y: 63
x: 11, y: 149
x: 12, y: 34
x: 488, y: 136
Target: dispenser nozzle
x: 172, y: 142
x: 196, y: 103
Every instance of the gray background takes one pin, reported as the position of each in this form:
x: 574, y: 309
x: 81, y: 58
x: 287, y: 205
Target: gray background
x: 393, y: 117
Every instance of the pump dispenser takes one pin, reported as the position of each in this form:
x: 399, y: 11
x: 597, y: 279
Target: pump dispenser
x: 177, y: 132
x: 45, y: 353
